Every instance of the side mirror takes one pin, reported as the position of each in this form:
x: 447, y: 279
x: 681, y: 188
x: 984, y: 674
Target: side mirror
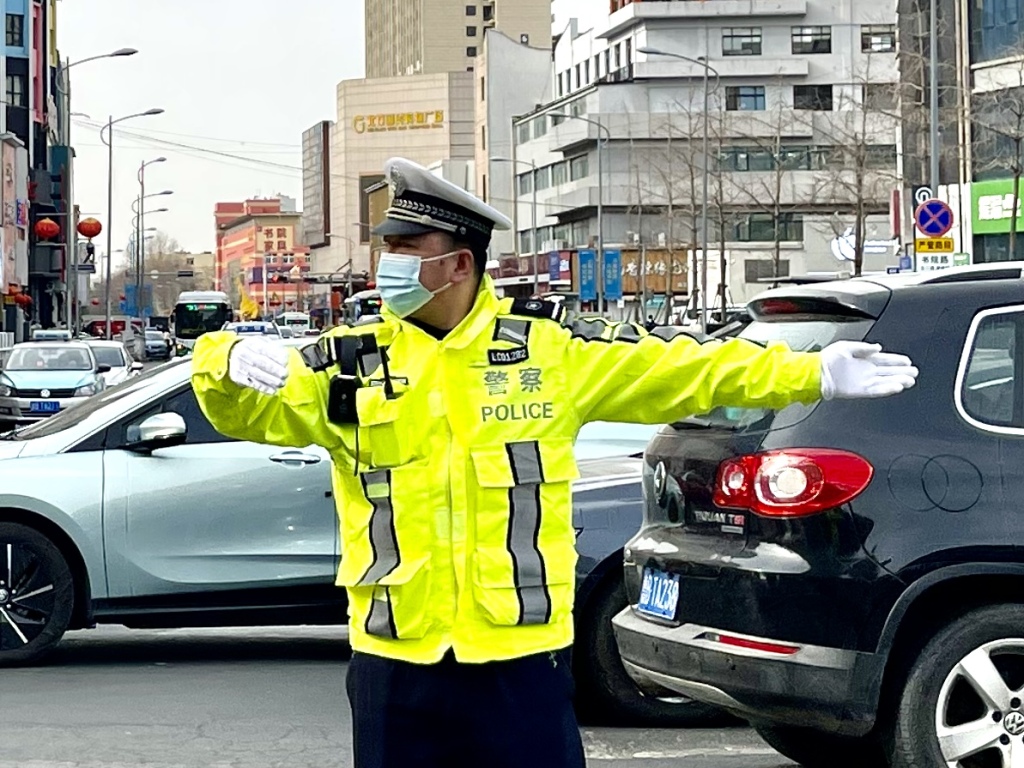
x: 102, y: 368
x: 136, y: 366
x: 162, y: 430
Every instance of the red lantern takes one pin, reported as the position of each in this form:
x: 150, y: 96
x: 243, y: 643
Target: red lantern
x: 47, y: 229
x: 95, y: 302
x: 122, y: 297
x: 89, y: 228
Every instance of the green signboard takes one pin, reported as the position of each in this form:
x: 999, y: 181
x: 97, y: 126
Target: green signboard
x: 992, y: 205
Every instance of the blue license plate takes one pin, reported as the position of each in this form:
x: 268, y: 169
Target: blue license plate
x: 659, y: 594
x: 44, y: 406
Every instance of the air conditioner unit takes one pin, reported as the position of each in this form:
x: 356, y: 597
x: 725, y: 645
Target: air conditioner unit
x: 561, y: 245
x: 635, y: 240
x: 662, y: 240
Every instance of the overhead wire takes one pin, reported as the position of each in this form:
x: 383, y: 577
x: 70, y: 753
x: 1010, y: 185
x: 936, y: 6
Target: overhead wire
x: 219, y: 156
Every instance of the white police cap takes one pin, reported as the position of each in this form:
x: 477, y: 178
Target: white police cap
x: 423, y: 202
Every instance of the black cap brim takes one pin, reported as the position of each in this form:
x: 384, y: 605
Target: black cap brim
x: 396, y: 228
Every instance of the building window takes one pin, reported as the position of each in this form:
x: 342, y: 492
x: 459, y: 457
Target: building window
x: 488, y: 13
x: 543, y: 178
x: 607, y: 61
x: 483, y: 187
x: 878, y: 38
x: 817, y: 98
x: 741, y: 41
x: 366, y: 182
x: 471, y: 10
x: 579, y: 168
x: 15, y: 30
x: 540, y: 126
x: 579, y: 79
x: 483, y: 137
x: 812, y: 40
x: 763, y: 228
x: 763, y: 269
x: 559, y: 173
x: 470, y: 31
x: 743, y: 159
x: 16, y: 91
x: 471, y: 51
x: 880, y: 157
x: 525, y: 183
x: 744, y: 98
x: 483, y: 88
x: 880, y: 96
x: 522, y: 133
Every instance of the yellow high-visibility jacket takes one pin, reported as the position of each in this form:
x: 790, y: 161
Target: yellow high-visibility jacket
x: 454, y: 494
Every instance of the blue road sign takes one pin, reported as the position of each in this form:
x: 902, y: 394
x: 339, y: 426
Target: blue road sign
x: 554, y: 265
x: 934, y: 218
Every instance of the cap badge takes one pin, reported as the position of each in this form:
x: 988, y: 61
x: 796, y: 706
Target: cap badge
x: 397, y: 183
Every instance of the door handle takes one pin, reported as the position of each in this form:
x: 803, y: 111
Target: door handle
x: 295, y: 457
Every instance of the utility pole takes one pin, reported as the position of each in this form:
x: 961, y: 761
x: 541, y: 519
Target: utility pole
x: 933, y: 88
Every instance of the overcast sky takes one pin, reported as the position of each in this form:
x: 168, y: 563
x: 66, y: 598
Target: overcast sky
x: 242, y: 78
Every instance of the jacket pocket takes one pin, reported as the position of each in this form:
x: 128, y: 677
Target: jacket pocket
x: 395, y: 605
x: 386, y: 439
x: 524, y: 558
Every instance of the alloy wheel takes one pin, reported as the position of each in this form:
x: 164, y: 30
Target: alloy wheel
x: 27, y: 596
x: 979, y: 717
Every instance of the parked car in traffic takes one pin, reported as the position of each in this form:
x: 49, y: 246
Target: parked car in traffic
x: 115, y: 355
x: 40, y: 379
x: 849, y: 575
x: 160, y: 521
x: 157, y: 344
x: 254, y: 328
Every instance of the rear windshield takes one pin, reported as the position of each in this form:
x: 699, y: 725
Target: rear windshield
x: 801, y: 334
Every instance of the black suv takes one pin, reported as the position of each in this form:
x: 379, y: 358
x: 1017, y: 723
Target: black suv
x: 849, y: 576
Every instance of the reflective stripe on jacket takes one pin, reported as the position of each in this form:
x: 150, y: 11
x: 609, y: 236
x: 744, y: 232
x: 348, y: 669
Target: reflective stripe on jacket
x: 454, y: 494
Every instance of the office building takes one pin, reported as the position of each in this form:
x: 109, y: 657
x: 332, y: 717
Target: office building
x: 802, y: 135
x: 424, y: 37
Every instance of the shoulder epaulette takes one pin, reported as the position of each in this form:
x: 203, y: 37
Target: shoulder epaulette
x: 544, y: 310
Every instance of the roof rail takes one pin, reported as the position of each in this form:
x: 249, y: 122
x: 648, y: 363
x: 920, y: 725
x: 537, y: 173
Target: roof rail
x: 1000, y: 270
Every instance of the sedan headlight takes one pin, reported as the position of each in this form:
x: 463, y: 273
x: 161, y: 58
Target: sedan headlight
x: 5, y: 391
x: 87, y: 391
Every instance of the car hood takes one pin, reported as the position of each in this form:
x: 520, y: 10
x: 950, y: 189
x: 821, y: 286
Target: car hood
x: 48, y: 379
x: 11, y: 449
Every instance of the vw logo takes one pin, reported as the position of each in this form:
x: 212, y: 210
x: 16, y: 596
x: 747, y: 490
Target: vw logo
x: 660, y: 480
x: 1014, y: 723
x: 4, y: 595
x: 44, y: 393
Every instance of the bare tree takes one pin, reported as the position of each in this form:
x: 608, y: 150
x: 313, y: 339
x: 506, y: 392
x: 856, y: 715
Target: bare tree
x: 774, y: 144
x: 165, y: 259
x: 999, y: 129
x: 858, y: 154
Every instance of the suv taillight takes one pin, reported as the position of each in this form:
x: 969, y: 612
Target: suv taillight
x: 791, y: 483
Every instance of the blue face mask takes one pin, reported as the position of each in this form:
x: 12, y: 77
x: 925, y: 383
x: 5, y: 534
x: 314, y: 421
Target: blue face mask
x: 398, y: 280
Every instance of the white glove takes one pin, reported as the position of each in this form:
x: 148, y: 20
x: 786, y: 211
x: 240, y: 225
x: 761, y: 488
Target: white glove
x: 854, y: 369
x: 259, y: 364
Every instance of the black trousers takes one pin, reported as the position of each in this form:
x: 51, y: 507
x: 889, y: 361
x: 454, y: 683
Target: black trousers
x: 504, y: 714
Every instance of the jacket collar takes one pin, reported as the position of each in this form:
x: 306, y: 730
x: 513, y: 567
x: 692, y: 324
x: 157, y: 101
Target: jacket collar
x: 479, y: 319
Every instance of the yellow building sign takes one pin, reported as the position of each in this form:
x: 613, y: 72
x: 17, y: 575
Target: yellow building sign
x: 933, y: 245
x: 400, y: 121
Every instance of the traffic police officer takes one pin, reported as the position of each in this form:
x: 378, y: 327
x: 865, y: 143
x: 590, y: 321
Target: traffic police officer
x: 450, y: 420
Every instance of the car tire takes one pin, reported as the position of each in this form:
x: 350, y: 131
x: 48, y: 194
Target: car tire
x: 938, y: 687
x: 32, y: 626
x: 605, y: 692
x: 814, y: 749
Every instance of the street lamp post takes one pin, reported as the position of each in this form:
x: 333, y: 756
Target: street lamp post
x: 535, y: 245
x: 601, y: 146
x: 140, y: 226
x: 64, y: 130
x: 109, y: 128
x: 142, y: 222
x: 708, y: 69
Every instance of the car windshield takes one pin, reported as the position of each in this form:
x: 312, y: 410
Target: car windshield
x: 155, y: 335
x: 111, y: 356
x: 802, y: 334
x: 49, y: 359
x: 72, y: 416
